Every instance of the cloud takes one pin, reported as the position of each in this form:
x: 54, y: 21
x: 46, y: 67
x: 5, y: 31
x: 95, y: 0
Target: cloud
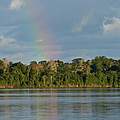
x: 80, y: 26
x: 17, y: 56
x: 6, y: 42
x: 13, y: 50
x: 17, y: 4
x: 11, y: 44
x: 39, y: 41
x: 111, y: 25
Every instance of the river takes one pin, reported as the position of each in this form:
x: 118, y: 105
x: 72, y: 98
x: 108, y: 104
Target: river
x: 60, y: 104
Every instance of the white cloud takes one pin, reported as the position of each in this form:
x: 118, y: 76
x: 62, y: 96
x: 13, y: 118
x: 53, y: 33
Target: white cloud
x: 80, y: 26
x: 12, y: 50
x: 111, y: 25
x: 39, y: 41
x: 18, y: 56
x: 6, y: 42
x: 17, y: 4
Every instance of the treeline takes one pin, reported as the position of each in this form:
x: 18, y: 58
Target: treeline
x: 98, y: 72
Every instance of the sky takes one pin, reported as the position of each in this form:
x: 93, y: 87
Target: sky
x: 59, y: 29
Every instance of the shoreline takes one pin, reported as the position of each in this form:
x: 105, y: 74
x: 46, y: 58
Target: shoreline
x: 63, y: 87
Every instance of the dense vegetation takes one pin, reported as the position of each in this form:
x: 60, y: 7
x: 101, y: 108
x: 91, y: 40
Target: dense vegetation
x: 98, y: 72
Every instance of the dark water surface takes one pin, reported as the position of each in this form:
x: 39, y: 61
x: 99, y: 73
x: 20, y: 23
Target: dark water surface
x: 60, y: 104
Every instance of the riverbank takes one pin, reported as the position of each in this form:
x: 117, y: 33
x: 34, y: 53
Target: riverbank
x: 62, y: 86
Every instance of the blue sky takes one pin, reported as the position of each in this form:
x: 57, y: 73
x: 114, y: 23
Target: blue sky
x: 81, y: 28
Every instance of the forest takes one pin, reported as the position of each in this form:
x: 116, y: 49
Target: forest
x: 100, y: 72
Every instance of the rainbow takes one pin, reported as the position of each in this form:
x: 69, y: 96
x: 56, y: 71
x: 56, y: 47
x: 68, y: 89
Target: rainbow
x: 44, y: 38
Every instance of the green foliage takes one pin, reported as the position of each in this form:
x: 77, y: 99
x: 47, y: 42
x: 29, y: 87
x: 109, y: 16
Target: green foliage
x: 99, y: 72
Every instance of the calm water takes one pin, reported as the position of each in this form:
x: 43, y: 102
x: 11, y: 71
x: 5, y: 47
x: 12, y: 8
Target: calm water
x: 60, y: 104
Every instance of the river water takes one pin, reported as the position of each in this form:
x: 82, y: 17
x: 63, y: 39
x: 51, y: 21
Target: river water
x: 60, y: 104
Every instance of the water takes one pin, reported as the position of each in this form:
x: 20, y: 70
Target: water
x: 60, y: 104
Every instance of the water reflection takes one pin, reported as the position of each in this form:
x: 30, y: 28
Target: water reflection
x: 46, y: 108
x: 59, y: 104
